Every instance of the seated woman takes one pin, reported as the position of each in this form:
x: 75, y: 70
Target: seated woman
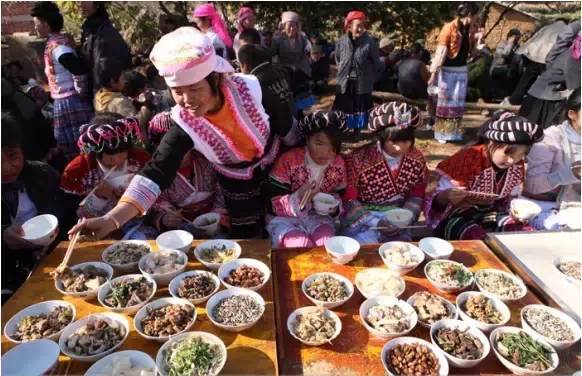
x: 476, y: 184
x: 108, y: 149
x: 29, y: 188
x: 553, y: 172
x: 389, y: 174
x: 299, y: 174
x: 194, y: 191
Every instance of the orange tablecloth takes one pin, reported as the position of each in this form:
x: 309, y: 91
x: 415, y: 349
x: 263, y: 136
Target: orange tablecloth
x: 250, y: 352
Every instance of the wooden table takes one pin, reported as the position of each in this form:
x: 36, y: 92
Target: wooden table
x: 355, y: 352
x: 250, y: 352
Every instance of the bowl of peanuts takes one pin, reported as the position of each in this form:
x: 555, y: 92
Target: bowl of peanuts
x: 413, y: 356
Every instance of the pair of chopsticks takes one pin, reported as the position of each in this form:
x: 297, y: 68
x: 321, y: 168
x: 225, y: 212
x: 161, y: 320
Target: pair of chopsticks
x: 307, y: 194
x: 176, y: 213
x: 70, y: 248
x: 96, y: 186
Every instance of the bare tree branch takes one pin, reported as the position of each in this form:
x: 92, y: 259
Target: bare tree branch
x: 507, y: 9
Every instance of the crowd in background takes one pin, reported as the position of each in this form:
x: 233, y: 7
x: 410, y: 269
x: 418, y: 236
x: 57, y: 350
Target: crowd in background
x: 209, y: 123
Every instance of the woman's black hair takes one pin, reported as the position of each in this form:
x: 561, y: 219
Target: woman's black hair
x: 335, y: 137
x: 50, y: 13
x: 396, y: 134
x: 134, y: 84
x: 253, y: 55
x: 109, y: 69
x: 214, y: 79
x: 11, y: 131
x: 573, y: 102
x: 467, y: 9
x: 250, y: 36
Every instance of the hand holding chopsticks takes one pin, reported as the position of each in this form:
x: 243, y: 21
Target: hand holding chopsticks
x: 69, y: 251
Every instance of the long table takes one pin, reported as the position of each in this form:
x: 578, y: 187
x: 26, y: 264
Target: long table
x: 268, y: 348
x: 355, y: 351
x: 250, y: 352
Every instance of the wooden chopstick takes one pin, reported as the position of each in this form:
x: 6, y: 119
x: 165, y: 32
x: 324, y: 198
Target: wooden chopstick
x: 176, y: 213
x: 71, y: 247
x: 95, y: 187
x: 304, y: 200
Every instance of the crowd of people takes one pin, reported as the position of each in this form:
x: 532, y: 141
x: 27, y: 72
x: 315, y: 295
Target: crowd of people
x: 214, y: 123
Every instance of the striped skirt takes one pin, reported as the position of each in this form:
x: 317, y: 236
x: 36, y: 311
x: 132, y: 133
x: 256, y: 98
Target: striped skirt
x: 452, y: 84
x: 69, y: 115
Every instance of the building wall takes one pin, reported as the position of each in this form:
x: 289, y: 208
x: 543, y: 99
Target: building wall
x: 16, y: 17
x: 511, y: 19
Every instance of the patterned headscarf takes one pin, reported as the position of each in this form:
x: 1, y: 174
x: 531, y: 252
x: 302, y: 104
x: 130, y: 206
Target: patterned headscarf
x: 394, y: 114
x: 509, y: 128
x: 96, y: 138
x: 321, y: 120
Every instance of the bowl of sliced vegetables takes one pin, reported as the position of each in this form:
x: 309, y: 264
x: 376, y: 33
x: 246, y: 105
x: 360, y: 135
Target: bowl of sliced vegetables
x: 83, y: 280
x: 128, y: 362
x: 191, y: 353
x: 213, y: 253
x: 554, y: 326
x: 499, y: 284
x: 379, y: 281
x: 431, y: 308
x: 521, y: 353
x: 128, y: 293
x: 314, y: 326
x: 448, y: 276
x: 482, y: 311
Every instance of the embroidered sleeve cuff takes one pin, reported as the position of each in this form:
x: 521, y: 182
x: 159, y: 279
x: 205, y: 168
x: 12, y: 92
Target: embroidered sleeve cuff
x: 142, y: 193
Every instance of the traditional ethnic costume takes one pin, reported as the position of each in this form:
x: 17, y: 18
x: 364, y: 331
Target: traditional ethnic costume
x: 195, y: 189
x: 550, y: 179
x: 454, y: 47
x: 237, y: 139
x: 291, y: 226
x: 70, y: 108
x: 471, y: 169
x: 378, y: 182
x: 218, y: 32
x: 85, y: 172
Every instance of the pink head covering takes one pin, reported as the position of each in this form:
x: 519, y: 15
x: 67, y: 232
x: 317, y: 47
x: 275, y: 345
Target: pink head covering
x: 243, y: 13
x: 290, y: 16
x: 208, y: 10
x: 354, y: 15
x: 186, y: 56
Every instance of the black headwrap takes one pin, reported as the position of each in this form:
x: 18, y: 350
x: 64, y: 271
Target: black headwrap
x: 509, y: 128
x: 322, y: 120
x: 394, y: 114
x: 11, y: 131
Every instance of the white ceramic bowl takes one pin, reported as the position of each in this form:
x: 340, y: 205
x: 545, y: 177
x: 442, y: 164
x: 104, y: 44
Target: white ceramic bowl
x: 163, y: 279
x: 36, y: 309
x: 450, y: 306
x: 347, y: 283
x: 342, y: 249
x: 436, y: 248
x: 443, y: 365
x: 377, y: 274
x: 465, y: 327
x: 498, y: 304
x: 402, y: 269
x: 34, y: 358
x: 177, y: 281
x: 207, y: 337
x: 121, y: 182
x: 515, y: 278
x: 162, y: 302
x: 89, y: 294
x: 235, y: 291
x: 399, y: 217
x: 128, y: 267
x: 175, y: 239
x: 216, y: 243
x: 442, y: 286
x: 292, y: 319
x: 570, y: 322
x: 558, y: 260
x: 515, y: 369
x: 524, y: 209
x: 138, y: 359
x: 41, y: 230
x: 225, y: 269
x: 104, y: 290
x: 324, y: 203
x: 208, y: 223
x: 388, y: 301
x: 109, y: 317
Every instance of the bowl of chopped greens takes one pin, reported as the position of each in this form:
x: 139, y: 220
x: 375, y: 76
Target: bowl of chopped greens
x: 128, y: 293
x: 191, y: 353
x: 448, y: 276
x: 213, y: 253
x: 521, y: 353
